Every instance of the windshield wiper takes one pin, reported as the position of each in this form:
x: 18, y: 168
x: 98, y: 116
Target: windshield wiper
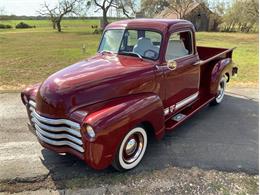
x: 106, y: 51
x: 131, y: 53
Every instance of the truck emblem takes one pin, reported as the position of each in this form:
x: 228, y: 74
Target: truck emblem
x: 172, y: 108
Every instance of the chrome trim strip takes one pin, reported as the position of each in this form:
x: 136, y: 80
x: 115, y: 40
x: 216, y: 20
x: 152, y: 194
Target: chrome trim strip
x: 56, y: 129
x: 55, y: 121
x: 166, y: 111
x: 58, y: 136
x: 59, y: 143
x: 186, y: 101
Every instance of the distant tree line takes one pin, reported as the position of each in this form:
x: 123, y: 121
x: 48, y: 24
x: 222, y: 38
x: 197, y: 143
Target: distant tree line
x: 14, y: 17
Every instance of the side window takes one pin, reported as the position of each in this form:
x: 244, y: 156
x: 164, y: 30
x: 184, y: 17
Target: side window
x: 179, y: 45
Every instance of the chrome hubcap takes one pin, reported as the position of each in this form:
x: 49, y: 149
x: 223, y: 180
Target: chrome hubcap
x: 133, y: 148
x: 221, y: 89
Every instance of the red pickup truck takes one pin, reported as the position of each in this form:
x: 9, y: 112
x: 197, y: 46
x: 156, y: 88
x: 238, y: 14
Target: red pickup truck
x: 147, y: 77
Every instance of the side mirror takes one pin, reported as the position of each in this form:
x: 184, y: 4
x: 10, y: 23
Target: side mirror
x: 172, y: 64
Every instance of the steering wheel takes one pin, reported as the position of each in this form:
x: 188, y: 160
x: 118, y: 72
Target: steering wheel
x: 154, y: 53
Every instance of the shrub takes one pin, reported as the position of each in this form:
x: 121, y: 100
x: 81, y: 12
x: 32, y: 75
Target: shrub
x: 98, y: 31
x: 24, y: 25
x: 5, y: 26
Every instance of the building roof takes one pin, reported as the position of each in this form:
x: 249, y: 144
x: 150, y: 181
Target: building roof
x: 169, y: 13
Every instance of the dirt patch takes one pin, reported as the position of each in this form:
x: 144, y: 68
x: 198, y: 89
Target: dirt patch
x: 169, y: 181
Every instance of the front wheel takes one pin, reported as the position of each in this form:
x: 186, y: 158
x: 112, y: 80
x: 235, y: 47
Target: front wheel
x: 221, y: 91
x: 131, y: 150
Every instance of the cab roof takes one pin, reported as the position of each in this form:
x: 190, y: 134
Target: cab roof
x: 156, y: 24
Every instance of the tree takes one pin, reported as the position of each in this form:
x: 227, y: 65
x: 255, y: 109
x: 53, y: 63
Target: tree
x: 180, y: 7
x: 242, y: 16
x: 126, y: 6
x: 104, y: 6
x: 47, y: 11
x: 152, y: 7
x: 57, y: 13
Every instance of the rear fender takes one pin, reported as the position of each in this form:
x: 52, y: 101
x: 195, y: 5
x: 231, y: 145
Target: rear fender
x: 222, y: 67
x: 112, y: 122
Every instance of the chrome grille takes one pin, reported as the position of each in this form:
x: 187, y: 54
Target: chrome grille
x: 57, y: 132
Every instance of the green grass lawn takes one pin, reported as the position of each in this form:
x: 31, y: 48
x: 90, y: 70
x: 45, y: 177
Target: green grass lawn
x: 245, y: 55
x: 30, y: 55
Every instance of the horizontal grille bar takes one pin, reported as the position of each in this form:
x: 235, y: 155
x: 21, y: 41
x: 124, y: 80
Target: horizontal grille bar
x: 58, y: 136
x: 57, y: 132
x: 54, y: 121
x: 53, y: 128
x: 59, y: 143
x: 32, y: 103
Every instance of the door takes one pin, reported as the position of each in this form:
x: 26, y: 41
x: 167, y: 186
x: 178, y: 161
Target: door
x: 181, y: 75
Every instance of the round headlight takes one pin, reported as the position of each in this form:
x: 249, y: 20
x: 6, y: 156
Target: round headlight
x: 90, y: 131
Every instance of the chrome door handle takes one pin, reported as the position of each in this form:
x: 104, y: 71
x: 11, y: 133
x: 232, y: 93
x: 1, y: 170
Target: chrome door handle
x: 197, y: 63
x: 171, y: 64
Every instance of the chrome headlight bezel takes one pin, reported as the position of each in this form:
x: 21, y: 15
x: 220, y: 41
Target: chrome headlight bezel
x: 90, y: 131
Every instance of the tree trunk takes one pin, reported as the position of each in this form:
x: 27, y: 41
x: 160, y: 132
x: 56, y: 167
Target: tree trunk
x: 58, y: 26
x: 53, y: 21
x: 53, y: 25
x: 105, y: 21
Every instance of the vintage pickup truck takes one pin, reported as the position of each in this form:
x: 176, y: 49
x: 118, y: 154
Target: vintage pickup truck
x: 147, y: 77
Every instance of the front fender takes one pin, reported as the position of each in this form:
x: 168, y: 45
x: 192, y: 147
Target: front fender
x: 113, y: 121
x: 29, y: 93
x: 222, y: 67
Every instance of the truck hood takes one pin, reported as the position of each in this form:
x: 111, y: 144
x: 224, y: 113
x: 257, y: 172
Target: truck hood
x: 98, y: 79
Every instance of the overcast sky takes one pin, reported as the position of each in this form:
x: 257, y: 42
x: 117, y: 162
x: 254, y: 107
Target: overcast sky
x: 23, y: 7
x: 30, y: 7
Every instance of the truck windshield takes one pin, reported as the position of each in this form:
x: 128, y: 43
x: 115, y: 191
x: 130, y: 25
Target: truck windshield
x: 139, y: 43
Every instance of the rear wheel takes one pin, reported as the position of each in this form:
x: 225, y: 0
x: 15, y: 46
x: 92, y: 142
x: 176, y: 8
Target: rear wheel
x: 131, y: 150
x: 221, y: 91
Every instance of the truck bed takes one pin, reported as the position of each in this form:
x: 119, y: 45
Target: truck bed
x: 207, y: 54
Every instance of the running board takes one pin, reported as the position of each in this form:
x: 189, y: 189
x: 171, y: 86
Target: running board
x: 179, y: 118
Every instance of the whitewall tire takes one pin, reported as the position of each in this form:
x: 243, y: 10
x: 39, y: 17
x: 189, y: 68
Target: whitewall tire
x: 221, y: 91
x: 131, y: 150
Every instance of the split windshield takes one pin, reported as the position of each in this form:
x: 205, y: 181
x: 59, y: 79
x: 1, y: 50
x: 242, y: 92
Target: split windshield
x: 139, y: 43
